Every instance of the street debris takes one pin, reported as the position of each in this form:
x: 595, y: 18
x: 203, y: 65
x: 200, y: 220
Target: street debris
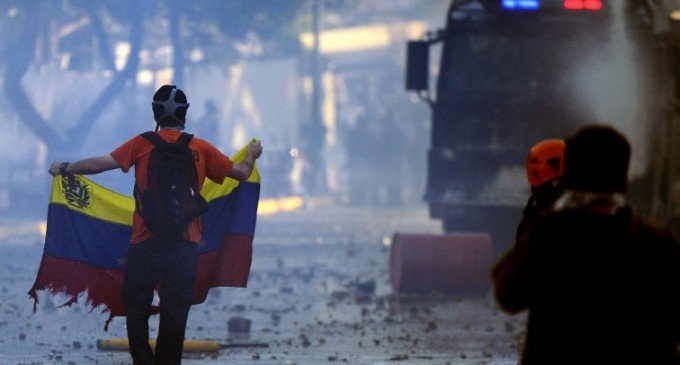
x: 239, y: 325
x: 305, y: 304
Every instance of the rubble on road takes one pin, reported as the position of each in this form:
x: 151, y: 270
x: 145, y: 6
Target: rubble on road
x: 305, y: 304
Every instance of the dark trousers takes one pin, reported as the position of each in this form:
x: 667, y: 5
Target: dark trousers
x: 173, y: 264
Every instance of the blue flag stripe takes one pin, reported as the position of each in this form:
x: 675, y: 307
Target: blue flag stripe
x: 230, y: 214
x: 76, y: 236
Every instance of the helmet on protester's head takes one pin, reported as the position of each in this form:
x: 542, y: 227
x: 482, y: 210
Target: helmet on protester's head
x: 169, y: 106
x: 545, y: 162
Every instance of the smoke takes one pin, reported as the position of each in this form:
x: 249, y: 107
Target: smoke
x: 611, y: 88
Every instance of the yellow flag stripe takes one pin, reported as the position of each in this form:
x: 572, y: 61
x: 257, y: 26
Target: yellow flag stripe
x: 94, y: 200
x: 100, y: 203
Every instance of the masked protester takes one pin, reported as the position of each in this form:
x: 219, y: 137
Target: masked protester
x: 545, y: 166
x: 600, y: 283
x: 170, y: 167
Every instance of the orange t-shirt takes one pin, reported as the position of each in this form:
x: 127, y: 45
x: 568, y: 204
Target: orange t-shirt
x: 210, y: 163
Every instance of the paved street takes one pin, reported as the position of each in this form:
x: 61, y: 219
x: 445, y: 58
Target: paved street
x: 302, y: 301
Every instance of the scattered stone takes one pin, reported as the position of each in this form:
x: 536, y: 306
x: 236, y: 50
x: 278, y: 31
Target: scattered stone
x: 76, y: 345
x: 22, y: 336
x: 339, y: 295
x: 304, y: 341
x: 276, y: 319
x: 431, y: 326
x: 239, y: 325
x: 367, y: 286
x: 400, y: 357
x: 363, y: 299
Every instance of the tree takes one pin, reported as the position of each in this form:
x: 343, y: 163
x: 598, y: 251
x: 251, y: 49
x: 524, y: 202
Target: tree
x: 215, y: 27
x: 31, y: 25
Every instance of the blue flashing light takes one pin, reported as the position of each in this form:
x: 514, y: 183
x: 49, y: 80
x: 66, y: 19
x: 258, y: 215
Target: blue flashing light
x: 521, y: 4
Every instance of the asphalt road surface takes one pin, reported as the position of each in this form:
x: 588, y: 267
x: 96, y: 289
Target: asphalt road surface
x: 304, y: 301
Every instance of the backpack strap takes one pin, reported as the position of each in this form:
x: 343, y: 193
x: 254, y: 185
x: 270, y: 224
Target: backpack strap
x: 184, y: 139
x: 154, y: 138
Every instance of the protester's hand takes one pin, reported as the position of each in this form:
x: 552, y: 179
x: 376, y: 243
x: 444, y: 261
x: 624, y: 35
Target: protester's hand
x: 255, y: 148
x: 54, y: 168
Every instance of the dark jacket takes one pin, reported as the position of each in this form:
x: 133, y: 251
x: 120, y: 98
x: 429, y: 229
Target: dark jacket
x: 602, y: 286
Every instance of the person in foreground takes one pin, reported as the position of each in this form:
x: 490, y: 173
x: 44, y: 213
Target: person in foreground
x: 544, y: 167
x: 599, y: 282
x: 170, y: 167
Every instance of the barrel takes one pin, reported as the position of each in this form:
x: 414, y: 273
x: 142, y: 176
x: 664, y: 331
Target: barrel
x: 455, y: 263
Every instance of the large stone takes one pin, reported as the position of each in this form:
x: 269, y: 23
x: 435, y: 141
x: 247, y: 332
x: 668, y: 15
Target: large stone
x: 239, y: 325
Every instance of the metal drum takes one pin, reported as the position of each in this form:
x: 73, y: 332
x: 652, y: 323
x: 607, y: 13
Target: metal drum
x: 455, y: 263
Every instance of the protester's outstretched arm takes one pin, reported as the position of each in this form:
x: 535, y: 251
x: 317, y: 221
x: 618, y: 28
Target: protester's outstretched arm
x: 243, y: 169
x: 87, y: 166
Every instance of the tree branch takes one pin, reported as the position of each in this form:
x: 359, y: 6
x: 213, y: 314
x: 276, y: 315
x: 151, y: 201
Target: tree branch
x: 86, y: 122
x: 17, y: 66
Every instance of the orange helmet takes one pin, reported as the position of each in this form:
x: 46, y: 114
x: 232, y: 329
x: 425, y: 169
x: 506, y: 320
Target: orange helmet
x: 545, y: 161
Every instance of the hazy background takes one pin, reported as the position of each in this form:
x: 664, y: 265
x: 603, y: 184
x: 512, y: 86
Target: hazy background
x: 345, y: 151
x: 78, y: 77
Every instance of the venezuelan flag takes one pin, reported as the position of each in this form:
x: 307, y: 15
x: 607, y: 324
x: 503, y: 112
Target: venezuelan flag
x: 88, y: 233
